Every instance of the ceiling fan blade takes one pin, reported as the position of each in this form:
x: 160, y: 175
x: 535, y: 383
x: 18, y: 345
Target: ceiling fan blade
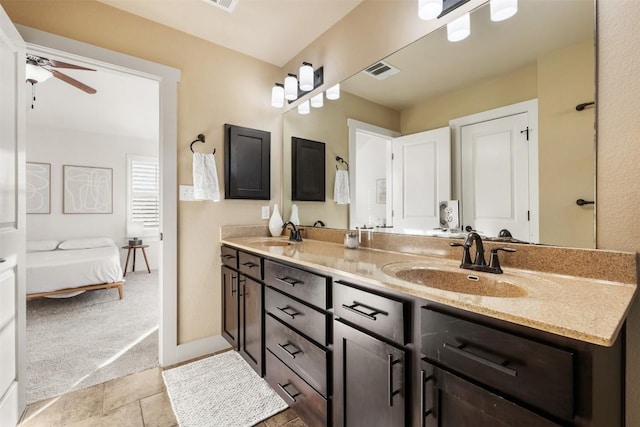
x: 72, y: 81
x: 60, y: 64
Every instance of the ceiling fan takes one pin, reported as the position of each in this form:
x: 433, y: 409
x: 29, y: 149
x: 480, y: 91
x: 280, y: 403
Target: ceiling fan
x: 40, y: 69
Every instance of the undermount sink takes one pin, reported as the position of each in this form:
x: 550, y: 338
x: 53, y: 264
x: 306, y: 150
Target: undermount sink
x: 463, y: 281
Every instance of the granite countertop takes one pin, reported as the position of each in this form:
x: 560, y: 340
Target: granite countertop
x: 584, y: 309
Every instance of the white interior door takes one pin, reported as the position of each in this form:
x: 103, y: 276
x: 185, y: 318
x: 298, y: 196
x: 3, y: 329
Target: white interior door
x: 495, y: 176
x: 12, y: 216
x: 421, y: 179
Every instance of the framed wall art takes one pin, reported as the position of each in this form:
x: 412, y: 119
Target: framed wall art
x: 87, y: 190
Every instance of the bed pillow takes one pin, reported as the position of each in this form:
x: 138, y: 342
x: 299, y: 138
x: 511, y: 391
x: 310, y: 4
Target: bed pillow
x: 94, y: 242
x: 41, y: 245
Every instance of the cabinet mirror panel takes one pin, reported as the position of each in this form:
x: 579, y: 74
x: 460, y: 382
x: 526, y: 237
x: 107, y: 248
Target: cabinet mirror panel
x: 489, y: 123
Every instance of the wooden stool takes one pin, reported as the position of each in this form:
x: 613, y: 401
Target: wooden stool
x: 134, y: 247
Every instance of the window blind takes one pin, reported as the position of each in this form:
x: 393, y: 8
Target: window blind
x: 145, y: 193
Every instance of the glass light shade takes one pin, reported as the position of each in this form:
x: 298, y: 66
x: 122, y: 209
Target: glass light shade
x: 291, y: 87
x: 318, y: 100
x: 333, y: 92
x: 459, y: 29
x: 503, y: 9
x: 36, y: 73
x: 306, y: 77
x: 429, y: 9
x: 304, y: 107
x: 277, y: 96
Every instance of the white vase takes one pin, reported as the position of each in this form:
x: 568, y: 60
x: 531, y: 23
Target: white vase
x: 295, y: 219
x: 275, y: 223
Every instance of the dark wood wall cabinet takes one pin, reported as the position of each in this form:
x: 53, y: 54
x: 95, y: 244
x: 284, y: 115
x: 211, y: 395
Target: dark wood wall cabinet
x: 247, y: 163
x: 307, y: 170
x: 346, y: 353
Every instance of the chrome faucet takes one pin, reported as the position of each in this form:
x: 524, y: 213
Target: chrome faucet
x: 294, y: 235
x: 479, y: 263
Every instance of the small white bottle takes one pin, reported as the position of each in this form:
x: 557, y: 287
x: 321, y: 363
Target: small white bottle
x: 275, y: 223
x: 295, y: 219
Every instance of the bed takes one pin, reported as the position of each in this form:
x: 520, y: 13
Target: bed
x: 71, y: 267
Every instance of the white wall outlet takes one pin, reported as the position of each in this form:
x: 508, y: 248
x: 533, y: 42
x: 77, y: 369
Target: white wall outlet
x: 186, y: 193
x: 265, y: 212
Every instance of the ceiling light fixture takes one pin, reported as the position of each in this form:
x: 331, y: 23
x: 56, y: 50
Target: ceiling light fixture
x: 36, y: 74
x: 459, y: 29
x: 503, y: 9
x: 333, y: 92
x: 429, y: 9
x: 277, y: 95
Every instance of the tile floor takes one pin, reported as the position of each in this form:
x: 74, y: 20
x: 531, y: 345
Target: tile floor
x: 138, y: 399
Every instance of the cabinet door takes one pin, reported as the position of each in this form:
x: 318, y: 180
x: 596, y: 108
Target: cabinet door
x: 230, y: 314
x: 369, y: 383
x: 449, y: 401
x: 251, y: 322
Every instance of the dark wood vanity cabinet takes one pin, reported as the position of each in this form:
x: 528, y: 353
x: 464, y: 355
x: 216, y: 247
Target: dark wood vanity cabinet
x: 242, y: 306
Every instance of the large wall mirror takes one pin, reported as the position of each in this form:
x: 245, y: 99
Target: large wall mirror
x: 490, y: 121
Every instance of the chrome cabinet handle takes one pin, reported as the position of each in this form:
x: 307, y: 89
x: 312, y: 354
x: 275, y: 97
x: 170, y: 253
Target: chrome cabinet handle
x: 284, y: 389
x: 371, y: 316
x: 459, y: 350
x: 392, y: 392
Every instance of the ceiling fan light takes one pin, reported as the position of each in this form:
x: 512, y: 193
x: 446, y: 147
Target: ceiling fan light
x: 291, y: 87
x: 304, y: 108
x: 36, y: 73
x: 333, y: 92
x: 277, y: 95
x: 318, y: 100
x: 306, y: 77
x: 429, y: 9
x: 459, y: 29
x: 503, y: 9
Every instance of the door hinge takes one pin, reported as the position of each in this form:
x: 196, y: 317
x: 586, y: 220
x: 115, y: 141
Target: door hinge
x: 526, y: 132
x: 393, y: 213
x: 528, y: 215
x: 393, y: 156
x: 161, y: 236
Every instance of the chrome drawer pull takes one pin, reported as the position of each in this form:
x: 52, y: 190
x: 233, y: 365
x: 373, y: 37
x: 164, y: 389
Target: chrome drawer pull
x: 390, y: 363
x: 371, y: 316
x: 289, y: 281
x: 284, y: 389
x: 291, y: 354
x: 486, y: 362
x: 250, y: 264
x: 291, y: 313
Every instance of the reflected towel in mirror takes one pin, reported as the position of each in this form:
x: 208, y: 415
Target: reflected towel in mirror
x: 341, y: 188
x: 205, y: 177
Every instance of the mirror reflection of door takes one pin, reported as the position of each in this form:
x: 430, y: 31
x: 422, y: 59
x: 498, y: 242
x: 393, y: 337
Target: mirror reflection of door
x: 495, y: 176
x: 421, y: 179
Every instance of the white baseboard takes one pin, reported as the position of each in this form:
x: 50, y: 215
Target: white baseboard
x: 194, y: 349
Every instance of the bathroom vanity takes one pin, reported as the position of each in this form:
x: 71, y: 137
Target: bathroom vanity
x: 361, y: 338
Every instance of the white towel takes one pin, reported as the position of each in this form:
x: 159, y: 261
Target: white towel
x: 341, y: 187
x: 205, y: 177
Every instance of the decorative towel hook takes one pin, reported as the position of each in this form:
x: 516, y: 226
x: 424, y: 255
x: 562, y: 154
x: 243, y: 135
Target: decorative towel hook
x: 200, y: 138
x: 584, y: 105
x: 340, y: 159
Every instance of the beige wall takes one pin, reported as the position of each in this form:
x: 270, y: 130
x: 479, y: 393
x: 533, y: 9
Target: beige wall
x: 329, y: 125
x: 218, y: 86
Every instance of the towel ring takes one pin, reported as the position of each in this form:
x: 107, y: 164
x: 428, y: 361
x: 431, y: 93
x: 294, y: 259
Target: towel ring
x: 201, y: 139
x: 340, y: 159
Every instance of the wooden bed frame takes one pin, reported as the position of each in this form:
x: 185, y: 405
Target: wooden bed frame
x: 118, y: 285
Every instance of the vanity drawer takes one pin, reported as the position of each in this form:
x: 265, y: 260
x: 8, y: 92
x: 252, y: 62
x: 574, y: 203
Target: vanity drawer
x: 299, y: 395
x: 229, y: 256
x: 301, y: 355
x: 535, y: 373
x: 250, y: 264
x: 376, y: 313
x: 305, y: 319
x: 301, y: 284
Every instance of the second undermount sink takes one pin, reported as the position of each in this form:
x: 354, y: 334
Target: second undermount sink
x: 462, y: 281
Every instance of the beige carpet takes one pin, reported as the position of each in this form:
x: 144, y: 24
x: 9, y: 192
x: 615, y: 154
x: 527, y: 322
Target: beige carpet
x: 73, y: 343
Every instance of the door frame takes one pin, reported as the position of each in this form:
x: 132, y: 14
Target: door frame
x: 168, y: 79
x: 531, y: 108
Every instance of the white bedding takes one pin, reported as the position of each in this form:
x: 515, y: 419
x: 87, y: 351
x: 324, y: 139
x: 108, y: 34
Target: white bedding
x: 60, y: 269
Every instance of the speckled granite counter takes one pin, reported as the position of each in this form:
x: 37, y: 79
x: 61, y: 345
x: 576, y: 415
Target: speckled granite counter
x: 585, y: 309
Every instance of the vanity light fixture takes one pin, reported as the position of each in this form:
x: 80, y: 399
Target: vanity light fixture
x: 429, y: 9
x: 459, y: 29
x: 333, y: 92
x: 291, y: 87
x: 306, y: 77
x: 304, y: 107
x: 277, y: 95
x: 318, y: 100
x: 503, y: 9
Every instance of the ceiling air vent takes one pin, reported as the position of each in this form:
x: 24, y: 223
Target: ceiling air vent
x: 227, y: 5
x: 381, y: 70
